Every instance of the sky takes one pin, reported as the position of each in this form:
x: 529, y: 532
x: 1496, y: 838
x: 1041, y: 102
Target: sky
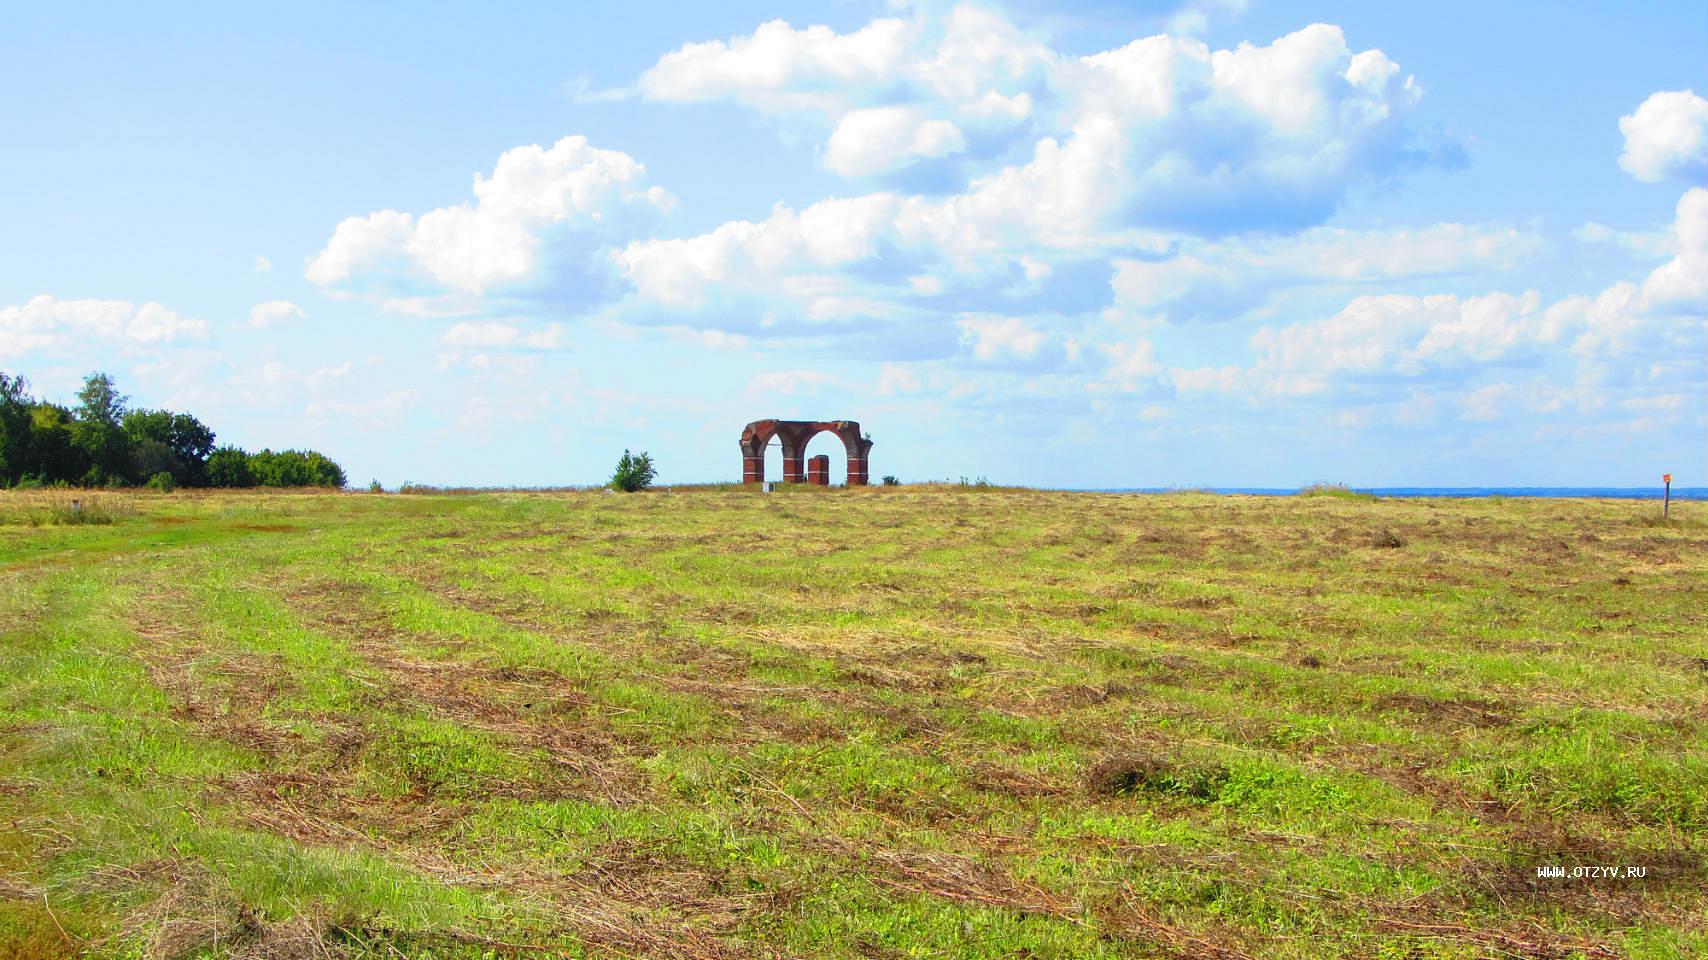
x: 1094, y: 245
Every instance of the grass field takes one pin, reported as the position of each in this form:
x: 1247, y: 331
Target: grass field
x: 918, y: 722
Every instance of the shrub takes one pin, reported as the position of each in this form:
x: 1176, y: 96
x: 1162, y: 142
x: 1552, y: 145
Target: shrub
x: 374, y: 487
x: 295, y: 468
x: 891, y: 481
x: 634, y: 472
x: 162, y: 482
x: 229, y: 467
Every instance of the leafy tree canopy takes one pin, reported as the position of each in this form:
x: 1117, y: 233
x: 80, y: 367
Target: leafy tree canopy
x: 102, y: 441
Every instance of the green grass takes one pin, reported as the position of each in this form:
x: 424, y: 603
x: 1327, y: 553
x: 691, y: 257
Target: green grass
x: 935, y: 721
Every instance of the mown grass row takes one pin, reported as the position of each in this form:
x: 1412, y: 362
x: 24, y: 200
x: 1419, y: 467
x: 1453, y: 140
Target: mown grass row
x: 943, y: 723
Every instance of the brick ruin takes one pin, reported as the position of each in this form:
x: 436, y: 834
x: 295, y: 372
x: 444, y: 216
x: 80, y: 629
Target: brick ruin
x: 795, y: 435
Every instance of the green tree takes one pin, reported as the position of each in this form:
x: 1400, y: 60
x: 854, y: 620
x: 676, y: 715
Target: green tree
x: 326, y: 473
x: 229, y: 467
x: 295, y: 468
x: 15, y: 453
x: 98, y: 430
x: 634, y: 472
x: 176, y: 443
x: 54, y: 455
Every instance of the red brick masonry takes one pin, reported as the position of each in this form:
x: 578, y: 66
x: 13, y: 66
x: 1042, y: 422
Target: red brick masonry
x: 794, y: 435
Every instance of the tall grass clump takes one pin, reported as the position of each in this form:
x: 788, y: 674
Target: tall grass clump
x: 53, y: 508
x: 1338, y: 490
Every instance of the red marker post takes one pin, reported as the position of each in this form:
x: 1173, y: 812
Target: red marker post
x: 1666, y: 497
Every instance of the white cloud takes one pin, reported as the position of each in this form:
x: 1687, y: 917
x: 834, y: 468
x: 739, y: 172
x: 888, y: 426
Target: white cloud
x: 1225, y: 278
x: 993, y: 338
x: 1163, y: 126
x: 497, y: 335
x: 263, y: 265
x: 582, y: 90
x: 1227, y: 379
x: 828, y: 234
x: 1400, y: 335
x: 881, y: 139
x: 1684, y: 278
x: 496, y: 240
x: 779, y: 67
x: 711, y: 339
x: 1667, y: 136
x: 788, y: 382
x: 1626, y: 338
x: 1161, y: 133
x: 894, y: 379
x: 273, y: 311
x: 1485, y: 403
x: 360, y: 244
x: 1194, y: 18
x: 1133, y: 361
x: 48, y: 324
x: 1642, y: 243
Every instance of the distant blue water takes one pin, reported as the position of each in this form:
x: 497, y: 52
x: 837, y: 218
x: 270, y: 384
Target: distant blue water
x: 1616, y: 493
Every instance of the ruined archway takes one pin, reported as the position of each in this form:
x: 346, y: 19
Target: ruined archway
x: 794, y: 434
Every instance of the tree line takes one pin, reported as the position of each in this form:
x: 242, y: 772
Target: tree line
x: 103, y: 442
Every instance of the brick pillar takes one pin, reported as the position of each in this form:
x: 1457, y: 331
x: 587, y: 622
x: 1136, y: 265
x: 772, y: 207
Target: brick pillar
x: 794, y: 470
x: 753, y: 469
x: 857, y: 472
x: 818, y: 470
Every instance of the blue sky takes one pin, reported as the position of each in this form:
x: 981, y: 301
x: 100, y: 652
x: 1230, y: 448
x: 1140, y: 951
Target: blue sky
x: 1145, y: 244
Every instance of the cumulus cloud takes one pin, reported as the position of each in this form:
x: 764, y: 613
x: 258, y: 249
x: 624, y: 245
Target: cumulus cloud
x: 47, y: 324
x: 1630, y: 334
x: 1208, y: 139
x: 828, y: 234
x: 880, y: 139
x: 778, y: 67
x: 1400, y: 335
x: 496, y: 241
x: 1666, y: 137
x: 270, y: 312
x: 1684, y: 278
x: 1032, y: 209
x: 1132, y: 145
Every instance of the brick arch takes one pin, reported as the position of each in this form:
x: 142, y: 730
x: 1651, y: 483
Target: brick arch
x: 795, y: 434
